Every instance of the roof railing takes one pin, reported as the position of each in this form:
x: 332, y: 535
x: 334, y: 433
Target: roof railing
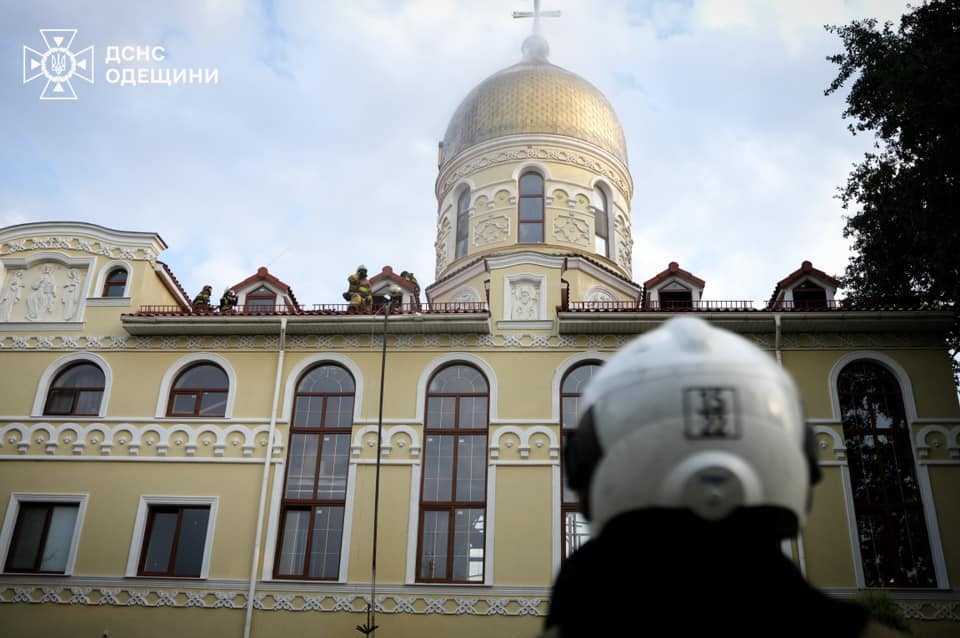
x: 340, y: 309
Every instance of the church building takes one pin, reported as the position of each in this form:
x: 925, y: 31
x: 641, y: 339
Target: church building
x: 174, y: 466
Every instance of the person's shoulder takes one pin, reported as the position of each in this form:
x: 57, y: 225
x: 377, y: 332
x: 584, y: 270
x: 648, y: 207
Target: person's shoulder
x: 876, y: 630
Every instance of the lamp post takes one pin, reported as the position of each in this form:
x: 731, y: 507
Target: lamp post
x: 394, y: 294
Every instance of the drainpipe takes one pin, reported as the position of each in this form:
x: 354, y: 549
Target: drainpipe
x: 776, y: 338
x: 261, y: 507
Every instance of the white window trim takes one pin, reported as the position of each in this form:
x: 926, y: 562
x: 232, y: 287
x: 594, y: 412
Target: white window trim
x: 922, y: 469
x: 43, y: 386
x: 456, y: 357
x: 183, y: 362
x: 695, y: 292
x: 13, y: 512
x: 293, y: 378
x: 139, y: 528
x: 97, y: 292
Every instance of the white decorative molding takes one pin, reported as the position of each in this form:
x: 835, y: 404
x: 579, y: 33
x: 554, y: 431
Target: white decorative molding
x: 571, y: 229
x: 47, y: 288
x: 13, y: 511
x: 43, y: 385
x: 457, y: 357
x: 535, y: 151
x: 838, y: 448
x: 311, y: 361
x: 81, y: 237
x: 491, y: 230
x: 524, y: 435
x: 951, y: 440
x: 599, y: 293
x: 906, y: 388
x: 624, y: 243
x: 280, y: 596
x: 136, y: 541
x: 444, y: 229
x: 467, y: 294
x: 171, y: 374
x: 525, y: 258
x: 97, y: 291
x: 146, y: 441
x: 390, y: 432
x: 525, y: 297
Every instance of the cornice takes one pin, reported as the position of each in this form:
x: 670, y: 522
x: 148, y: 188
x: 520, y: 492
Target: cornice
x: 47, y: 233
x: 538, y: 147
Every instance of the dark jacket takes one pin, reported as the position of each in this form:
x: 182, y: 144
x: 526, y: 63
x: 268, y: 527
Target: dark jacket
x: 670, y: 573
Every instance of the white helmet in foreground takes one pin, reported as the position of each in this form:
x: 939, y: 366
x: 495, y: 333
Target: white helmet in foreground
x: 693, y: 417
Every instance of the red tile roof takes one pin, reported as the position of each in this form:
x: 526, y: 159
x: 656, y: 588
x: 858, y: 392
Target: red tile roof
x: 262, y: 275
x: 806, y: 269
x: 674, y: 270
x: 387, y: 273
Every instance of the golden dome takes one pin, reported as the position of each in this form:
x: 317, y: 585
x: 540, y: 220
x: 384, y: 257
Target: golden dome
x: 534, y: 96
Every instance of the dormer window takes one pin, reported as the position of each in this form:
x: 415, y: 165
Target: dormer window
x: 675, y: 297
x: 809, y: 296
x: 116, y: 283
x: 261, y: 298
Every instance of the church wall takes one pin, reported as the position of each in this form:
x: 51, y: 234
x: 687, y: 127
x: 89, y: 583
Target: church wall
x: 394, y: 521
x: 114, y: 492
x: 929, y: 372
x: 828, y: 554
x: 523, y: 526
x: 945, y: 482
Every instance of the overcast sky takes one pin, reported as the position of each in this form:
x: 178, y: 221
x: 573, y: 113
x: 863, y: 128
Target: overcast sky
x: 317, y: 149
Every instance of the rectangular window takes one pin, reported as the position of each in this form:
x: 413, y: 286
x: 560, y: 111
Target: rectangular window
x: 41, y: 532
x: 175, y: 540
x: 42, y: 538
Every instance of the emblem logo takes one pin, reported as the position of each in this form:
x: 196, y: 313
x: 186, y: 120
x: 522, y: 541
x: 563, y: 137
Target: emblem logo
x: 711, y: 413
x: 58, y: 64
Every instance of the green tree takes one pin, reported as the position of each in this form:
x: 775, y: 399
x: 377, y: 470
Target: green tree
x: 905, y: 89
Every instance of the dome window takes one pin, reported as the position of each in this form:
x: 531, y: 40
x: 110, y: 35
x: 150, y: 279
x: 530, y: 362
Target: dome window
x: 602, y: 226
x: 463, y: 223
x: 115, y: 285
x: 530, y: 209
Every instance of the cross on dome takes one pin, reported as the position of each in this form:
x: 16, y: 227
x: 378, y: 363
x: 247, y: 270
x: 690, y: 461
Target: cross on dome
x: 535, y: 47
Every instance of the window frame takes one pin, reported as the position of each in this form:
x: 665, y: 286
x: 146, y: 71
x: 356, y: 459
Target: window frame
x: 12, y: 517
x: 108, y: 282
x: 138, y: 540
x: 463, y: 225
x: 604, y: 212
x: 896, y: 390
x: 572, y: 507
x: 199, y: 392
x: 250, y: 298
x: 51, y: 391
x: 543, y: 207
x: 311, y: 505
x: 452, y: 505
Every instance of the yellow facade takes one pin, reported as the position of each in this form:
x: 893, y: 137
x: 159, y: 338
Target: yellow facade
x: 515, y: 325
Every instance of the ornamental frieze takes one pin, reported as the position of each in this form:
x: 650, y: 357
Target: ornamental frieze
x: 454, y: 174
x: 81, y: 244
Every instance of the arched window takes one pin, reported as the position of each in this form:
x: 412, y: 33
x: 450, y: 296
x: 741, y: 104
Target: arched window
x: 894, y: 545
x: 602, y: 225
x: 575, y: 529
x: 77, y: 390
x: 115, y: 283
x: 200, y: 390
x: 530, y: 224
x: 453, y: 493
x: 315, y: 490
x: 463, y: 223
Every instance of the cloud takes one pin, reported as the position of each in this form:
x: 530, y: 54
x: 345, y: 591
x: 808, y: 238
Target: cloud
x: 317, y: 149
